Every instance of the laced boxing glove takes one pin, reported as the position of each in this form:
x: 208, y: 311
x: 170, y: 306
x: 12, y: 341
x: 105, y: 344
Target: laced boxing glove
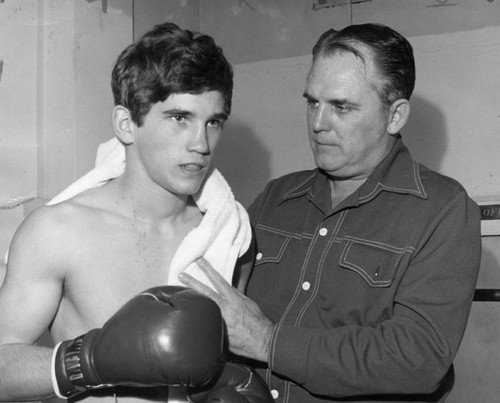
x: 164, y: 336
x: 236, y: 384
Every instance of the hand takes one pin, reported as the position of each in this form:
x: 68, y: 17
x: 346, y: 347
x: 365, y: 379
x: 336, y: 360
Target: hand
x: 249, y: 330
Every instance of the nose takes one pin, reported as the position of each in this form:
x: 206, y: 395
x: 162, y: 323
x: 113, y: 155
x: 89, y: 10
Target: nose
x: 319, y: 119
x: 199, y: 142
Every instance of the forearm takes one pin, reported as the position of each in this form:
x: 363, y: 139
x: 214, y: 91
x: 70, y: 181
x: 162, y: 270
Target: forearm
x: 25, y: 373
x: 396, y: 357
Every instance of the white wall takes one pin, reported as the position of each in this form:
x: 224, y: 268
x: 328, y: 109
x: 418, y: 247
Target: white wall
x: 255, y: 30
x: 453, y: 128
x: 55, y: 96
x: 18, y: 113
x: 266, y: 135
x: 184, y: 13
x: 79, y: 44
x: 455, y: 125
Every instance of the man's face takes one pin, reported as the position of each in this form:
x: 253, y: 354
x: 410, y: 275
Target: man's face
x: 347, y: 124
x: 176, y: 141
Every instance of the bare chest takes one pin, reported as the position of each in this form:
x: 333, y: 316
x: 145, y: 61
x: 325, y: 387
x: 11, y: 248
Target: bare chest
x: 108, y: 269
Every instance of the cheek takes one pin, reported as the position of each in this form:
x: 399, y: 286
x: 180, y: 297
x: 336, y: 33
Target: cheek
x: 157, y: 154
x: 150, y: 151
x: 213, y: 139
x: 359, y: 131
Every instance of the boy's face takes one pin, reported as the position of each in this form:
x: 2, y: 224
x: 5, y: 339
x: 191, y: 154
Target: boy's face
x: 176, y: 141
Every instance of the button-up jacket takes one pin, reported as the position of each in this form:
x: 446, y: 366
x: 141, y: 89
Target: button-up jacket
x: 370, y: 297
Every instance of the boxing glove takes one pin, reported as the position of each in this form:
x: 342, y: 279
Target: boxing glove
x: 236, y: 384
x: 164, y: 336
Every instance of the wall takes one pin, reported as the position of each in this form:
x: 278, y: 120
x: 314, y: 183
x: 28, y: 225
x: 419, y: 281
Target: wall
x: 55, y: 98
x: 289, y: 28
x: 18, y: 111
x: 256, y: 30
x: 185, y: 13
x: 78, y: 46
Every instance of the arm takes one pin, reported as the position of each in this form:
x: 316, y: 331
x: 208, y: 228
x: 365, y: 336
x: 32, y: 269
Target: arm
x: 25, y: 373
x: 29, y: 298
x: 409, y: 351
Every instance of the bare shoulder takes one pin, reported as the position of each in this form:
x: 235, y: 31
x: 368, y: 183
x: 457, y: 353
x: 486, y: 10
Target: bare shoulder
x: 37, y: 237
x: 38, y: 264
x: 50, y: 234
x: 45, y: 225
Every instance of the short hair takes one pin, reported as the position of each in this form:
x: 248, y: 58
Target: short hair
x: 169, y: 60
x: 392, y: 55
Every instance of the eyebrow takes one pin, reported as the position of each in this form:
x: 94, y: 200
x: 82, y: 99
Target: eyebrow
x: 182, y: 112
x: 336, y: 102
x: 307, y: 96
x: 176, y: 112
x: 220, y: 115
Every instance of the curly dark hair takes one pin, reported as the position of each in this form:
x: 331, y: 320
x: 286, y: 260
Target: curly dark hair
x: 169, y: 60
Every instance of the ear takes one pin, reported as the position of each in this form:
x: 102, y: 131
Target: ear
x: 398, y: 115
x: 123, y: 125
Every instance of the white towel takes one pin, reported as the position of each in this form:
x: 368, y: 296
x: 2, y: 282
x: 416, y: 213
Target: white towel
x: 222, y: 236
x: 109, y: 164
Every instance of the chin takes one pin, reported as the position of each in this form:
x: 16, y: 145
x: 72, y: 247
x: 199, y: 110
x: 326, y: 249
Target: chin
x: 186, y: 185
x: 327, y: 166
x: 191, y: 190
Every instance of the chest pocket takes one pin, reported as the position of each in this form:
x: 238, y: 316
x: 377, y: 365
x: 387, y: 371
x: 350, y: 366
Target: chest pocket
x: 271, y: 245
x: 377, y: 263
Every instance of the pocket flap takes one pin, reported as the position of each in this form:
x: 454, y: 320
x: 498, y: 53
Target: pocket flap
x: 271, y: 245
x: 376, y: 263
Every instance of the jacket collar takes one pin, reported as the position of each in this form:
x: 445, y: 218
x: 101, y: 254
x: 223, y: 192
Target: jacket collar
x: 397, y: 173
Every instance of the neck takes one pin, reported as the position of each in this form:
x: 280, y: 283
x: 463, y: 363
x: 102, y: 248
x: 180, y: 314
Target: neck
x: 340, y: 189
x: 149, y: 205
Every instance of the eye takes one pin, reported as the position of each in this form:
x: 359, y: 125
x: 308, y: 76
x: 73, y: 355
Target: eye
x: 342, y: 109
x: 311, y: 104
x: 216, y: 123
x: 178, y: 118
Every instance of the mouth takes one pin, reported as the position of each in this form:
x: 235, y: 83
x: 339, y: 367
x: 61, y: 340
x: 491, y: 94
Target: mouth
x: 322, y: 140
x: 193, y: 167
x: 324, y: 144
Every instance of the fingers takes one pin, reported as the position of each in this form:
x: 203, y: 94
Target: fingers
x: 197, y: 285
x: 219, y: 283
